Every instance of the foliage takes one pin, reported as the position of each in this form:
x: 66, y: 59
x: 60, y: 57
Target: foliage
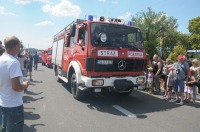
x: 178, y: 50
x: 159, y: 29
x: 194, y: 29
x: 150, y: 48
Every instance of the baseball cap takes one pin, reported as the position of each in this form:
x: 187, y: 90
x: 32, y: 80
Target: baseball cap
x: 180, y: 57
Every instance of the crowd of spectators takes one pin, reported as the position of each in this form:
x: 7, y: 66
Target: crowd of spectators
x: 181, y: 78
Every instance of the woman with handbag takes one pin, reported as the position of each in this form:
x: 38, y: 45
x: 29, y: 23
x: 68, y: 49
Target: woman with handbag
x: 195, y: 67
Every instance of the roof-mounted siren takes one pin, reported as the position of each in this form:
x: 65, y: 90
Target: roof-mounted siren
x: 102, y: 18
x: 130, y: 23
x: 91, y: 17
x: 116, y: 20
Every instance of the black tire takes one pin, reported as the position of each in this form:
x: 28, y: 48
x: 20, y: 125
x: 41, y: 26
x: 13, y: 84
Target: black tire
x: 77, y: 93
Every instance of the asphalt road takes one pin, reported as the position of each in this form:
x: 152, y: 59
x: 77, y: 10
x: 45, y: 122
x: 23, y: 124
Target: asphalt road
x: 50, y: 107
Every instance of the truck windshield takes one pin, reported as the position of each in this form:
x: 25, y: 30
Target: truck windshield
x: 117, y: 35
x: 49, y: 52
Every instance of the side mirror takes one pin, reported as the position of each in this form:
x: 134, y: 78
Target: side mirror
x: 72, y: 30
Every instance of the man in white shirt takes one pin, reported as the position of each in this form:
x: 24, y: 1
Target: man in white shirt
x: 11, y: 87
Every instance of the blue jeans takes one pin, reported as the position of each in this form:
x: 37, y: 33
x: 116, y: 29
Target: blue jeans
x: 12, y: 119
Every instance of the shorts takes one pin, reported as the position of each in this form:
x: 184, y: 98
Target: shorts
x: 188, y: 89
x: 179, y: 85
x: 29, y: 68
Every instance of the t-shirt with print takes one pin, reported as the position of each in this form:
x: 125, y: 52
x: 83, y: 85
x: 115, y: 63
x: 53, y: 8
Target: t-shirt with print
x: 180, y: 70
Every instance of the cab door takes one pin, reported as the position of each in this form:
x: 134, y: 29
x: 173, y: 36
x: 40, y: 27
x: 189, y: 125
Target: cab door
x: 80, y: 47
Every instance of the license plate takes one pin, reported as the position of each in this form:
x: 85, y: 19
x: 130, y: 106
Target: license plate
x: 97, y: 90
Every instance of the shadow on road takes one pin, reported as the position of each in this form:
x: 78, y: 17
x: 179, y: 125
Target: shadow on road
x: 31, y: 116
x: 34, y: 81
x: 28, y: 99
x: 138, y: 102
x: 32, y: 128
x: 32, y: 93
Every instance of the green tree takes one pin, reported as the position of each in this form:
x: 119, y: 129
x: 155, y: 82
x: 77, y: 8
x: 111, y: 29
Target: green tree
x: 158, y: 29
x: 194, y: 29
x: 178, y: 50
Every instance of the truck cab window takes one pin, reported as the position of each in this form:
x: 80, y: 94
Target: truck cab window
x: 81, y: 35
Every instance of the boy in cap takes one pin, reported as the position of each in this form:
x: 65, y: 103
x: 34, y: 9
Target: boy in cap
x: 150, y: 80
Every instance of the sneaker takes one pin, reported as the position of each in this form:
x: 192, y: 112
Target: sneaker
x: 176, y: 101
x: 181, y: 103
x: 164, y: 98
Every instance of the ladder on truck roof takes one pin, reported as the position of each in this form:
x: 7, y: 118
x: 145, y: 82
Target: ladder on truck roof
x: 78, y: 21
x: 63, y: 30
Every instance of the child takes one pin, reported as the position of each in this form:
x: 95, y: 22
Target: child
x: 150, y: 80
x: 170, y: 84
x: 189, y: 86
x: 162, y: 84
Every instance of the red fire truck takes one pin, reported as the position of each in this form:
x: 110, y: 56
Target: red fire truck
x: 97, y: 55
x: 47, y: 57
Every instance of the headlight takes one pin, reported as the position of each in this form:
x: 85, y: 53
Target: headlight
x: 97, y: 82
x: 140, y: 80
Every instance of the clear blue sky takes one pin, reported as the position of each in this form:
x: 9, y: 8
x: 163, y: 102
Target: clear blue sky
x: 35, y: 22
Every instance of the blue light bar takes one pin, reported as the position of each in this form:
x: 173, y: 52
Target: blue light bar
x: 90, y: 17
x: 130, y: 23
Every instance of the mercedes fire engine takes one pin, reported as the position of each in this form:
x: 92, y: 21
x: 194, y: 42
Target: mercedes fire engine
x: 99, y: 54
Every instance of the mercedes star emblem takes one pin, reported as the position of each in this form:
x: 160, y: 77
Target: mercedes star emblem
x: 122, y: 65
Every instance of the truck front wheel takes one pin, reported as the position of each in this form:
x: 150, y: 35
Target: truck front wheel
x: 76, y: 92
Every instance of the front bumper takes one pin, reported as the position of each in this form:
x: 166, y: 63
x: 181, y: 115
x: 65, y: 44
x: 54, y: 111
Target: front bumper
x: 109, y: 82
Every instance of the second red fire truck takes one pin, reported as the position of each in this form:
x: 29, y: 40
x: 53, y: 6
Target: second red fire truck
x: 47, y: 57
x: 103, y: 54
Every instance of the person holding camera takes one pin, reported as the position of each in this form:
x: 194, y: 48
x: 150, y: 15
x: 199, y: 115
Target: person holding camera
x: 180, y: 71
x: 11, y: 87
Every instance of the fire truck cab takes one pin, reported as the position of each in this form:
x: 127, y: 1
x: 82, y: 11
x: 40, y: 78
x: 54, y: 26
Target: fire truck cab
x: 104, y: 54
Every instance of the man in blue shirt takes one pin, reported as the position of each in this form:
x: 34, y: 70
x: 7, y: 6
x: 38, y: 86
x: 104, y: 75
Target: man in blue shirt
x: 36, y: 59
